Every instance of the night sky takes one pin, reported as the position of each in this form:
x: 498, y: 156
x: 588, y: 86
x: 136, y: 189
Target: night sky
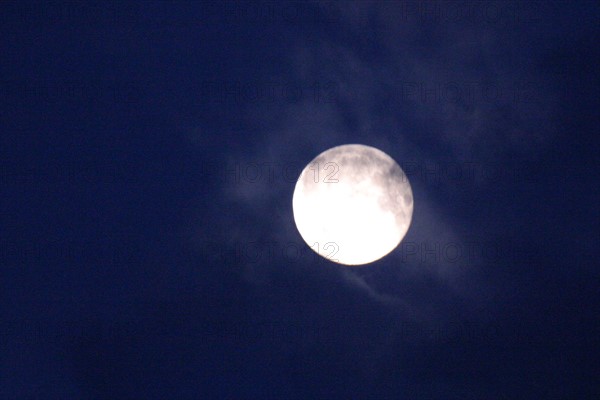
x: 149, y: 153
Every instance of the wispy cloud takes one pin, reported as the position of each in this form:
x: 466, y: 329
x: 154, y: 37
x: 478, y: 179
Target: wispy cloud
x: 457, y: 99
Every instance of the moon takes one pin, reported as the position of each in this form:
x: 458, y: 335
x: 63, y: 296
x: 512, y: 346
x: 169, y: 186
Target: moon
x: 353, y: 204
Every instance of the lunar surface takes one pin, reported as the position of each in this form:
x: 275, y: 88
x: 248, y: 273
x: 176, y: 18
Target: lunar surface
x: 353, y: 204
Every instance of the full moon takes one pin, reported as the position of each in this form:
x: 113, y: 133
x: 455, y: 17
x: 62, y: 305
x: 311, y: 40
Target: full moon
x: 352, y: 204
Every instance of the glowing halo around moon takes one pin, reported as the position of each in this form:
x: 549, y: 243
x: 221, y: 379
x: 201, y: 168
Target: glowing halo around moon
x: 353, y: 204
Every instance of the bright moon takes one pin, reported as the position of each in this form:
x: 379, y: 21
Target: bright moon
x: 353, y: 204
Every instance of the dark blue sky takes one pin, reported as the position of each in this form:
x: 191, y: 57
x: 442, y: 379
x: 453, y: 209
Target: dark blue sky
x: 149, y: 153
